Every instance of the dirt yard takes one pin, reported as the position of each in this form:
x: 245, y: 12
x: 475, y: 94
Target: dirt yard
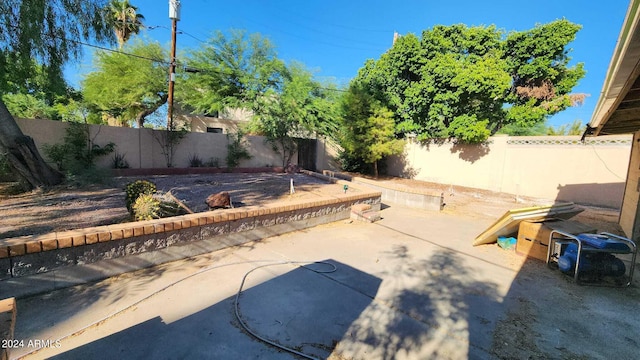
x: 67, y: 208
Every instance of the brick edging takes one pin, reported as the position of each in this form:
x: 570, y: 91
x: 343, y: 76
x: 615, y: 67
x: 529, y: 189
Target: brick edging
x: 36, y: 255
x: 18, y: 246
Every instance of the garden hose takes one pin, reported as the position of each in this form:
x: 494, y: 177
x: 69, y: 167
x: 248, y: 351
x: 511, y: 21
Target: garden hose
x: 261, y: 338
x: 237, y: 312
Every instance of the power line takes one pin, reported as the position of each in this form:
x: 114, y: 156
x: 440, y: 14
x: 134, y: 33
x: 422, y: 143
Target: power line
x: 160, y: 61
x: 120, y: 52
x: 179, y: 32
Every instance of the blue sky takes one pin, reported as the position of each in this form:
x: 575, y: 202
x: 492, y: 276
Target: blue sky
x: 334, y: 38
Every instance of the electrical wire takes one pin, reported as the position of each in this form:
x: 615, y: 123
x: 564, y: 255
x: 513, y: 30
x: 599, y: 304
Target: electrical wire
x: 604, y: 163
x: 184, y: 65
x: 153, y: 27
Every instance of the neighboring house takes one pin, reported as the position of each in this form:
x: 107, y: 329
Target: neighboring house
x: 226, y: 122
x: 618, y: 112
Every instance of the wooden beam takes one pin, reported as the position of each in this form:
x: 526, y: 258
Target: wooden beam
x: 625, y: 115
x: 632, y: 95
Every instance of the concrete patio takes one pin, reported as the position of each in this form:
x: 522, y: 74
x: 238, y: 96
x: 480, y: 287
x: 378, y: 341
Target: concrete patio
x: 409, y: 286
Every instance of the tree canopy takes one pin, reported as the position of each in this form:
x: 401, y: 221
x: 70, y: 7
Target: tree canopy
x: 468, y: 82
x: 125, y: 87
x: 298, y: 107
x: 368, y: 128
x: 48, y: 33
x: 125, y: 20
x: 230, y: 71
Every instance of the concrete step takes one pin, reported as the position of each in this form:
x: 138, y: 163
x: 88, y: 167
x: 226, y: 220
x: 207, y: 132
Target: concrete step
x: 363, y: 212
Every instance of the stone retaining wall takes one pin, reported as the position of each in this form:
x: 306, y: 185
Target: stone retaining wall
x: 398, y: 195
x: 153, y: 242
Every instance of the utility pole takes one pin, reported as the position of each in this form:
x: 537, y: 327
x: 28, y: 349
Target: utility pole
x: 174, y: 15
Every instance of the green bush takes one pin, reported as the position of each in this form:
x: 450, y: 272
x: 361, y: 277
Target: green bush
x: 236, y: 150
x: 119, y: 161
x: 135, y: 189
x: 76, y: 155
x: 195, y: 161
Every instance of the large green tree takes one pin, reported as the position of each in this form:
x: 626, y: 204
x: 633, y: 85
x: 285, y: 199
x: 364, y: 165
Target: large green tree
x: 49, y: 33
x: 368, y: 127
x: 241, y: 71
x: 299, y: 107
x: 468, y: 82
x: 28, y: 77
x: 230, y: 71
x: 128, y: 88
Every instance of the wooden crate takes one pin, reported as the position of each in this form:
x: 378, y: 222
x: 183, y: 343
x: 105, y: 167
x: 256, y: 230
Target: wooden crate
x: 533, y: 237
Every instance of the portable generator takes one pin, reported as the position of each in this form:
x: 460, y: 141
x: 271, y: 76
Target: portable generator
x: 591, y: 258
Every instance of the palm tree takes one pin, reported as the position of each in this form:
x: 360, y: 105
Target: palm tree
x: 124, y: 19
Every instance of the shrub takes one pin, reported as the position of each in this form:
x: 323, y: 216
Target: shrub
x: 195, y: 161
x: 135, y: 189
x: 119, y: 161
x: 236, y: 150
x: 213, y: 162
x: 77, y: 153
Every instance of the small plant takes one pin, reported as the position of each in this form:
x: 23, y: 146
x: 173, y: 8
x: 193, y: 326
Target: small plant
x: 77, y: 153
x: 213, y: 162
x: 169, y: 140
x: 195, y: 161
x: 119, y: 161
x: 57, y: 153
x: 236, y: 150
x: 155, y: 206
x: 146, y: 207
x: 135, y: 189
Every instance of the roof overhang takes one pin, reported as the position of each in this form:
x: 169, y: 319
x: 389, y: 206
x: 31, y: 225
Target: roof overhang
x: 618, y: 107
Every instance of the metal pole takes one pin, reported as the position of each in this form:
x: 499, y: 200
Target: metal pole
x: 172, y: 74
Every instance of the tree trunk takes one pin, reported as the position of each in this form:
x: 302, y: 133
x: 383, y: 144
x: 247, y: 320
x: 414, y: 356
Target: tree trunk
x: 23, y: 156
x: 140, y: 117
x: 375, y: 169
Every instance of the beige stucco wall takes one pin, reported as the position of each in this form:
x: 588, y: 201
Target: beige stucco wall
x: 200, y: 123
x: 550, y: 167
x: 327, y: 153
x: 229, y: 120
x: 142, y: 147
x: 559, y: 168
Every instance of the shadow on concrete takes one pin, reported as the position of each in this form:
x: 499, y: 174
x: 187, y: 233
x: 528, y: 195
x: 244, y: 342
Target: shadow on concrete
x: 301, y: 309
x: 440, y: 312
